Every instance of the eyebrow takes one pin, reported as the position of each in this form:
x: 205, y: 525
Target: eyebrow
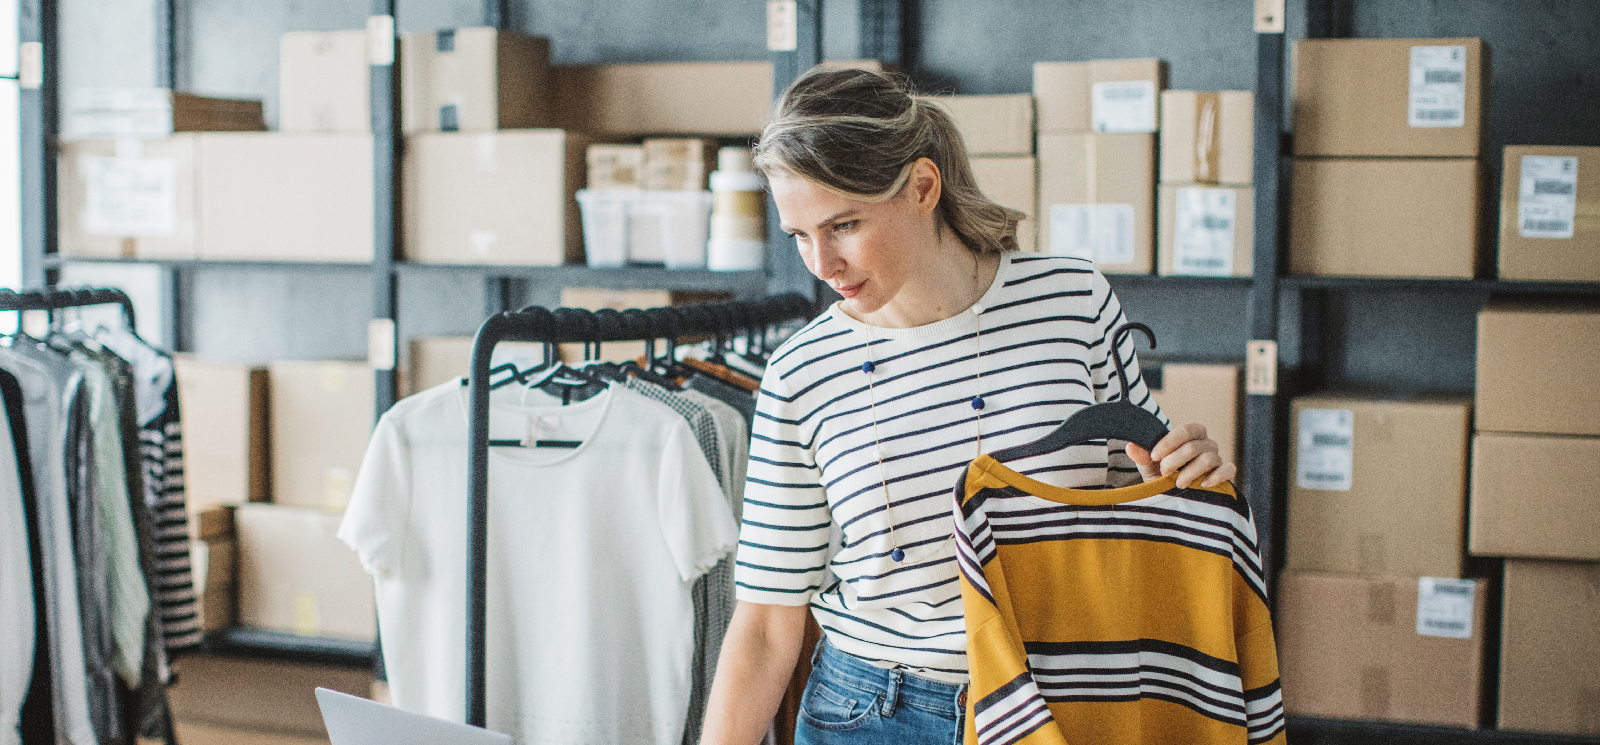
x: 827, y: 221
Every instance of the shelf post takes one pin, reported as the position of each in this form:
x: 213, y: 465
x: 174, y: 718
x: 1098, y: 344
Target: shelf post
x: 1262, y: 476
x: 37, y: 115
x: 383, y: 347
x: 794, y: 37
x: 885, y: 31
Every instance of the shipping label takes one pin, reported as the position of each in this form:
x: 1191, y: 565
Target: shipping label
x: 1124, y: 106
x: 1547, y: 197
x: 1102, y: 233
x: 1203, y: 239
x: 1444, y: 607
x: 1438, y: 87
x: 1326, y: 449
x: 133, y: 197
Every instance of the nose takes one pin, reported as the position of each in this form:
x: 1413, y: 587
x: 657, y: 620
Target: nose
x: 824, y: 259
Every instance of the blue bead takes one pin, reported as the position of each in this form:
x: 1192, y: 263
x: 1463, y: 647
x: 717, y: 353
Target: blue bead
x: 867, y: 367
x: 898, y: 555
x: 977, y: 402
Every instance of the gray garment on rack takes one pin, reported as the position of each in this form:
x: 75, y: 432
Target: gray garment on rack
x: 17, y: 617
x: 51, y: 387
x: 740, y: 399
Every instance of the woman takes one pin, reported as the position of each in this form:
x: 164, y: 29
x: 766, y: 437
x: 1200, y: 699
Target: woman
x: 947, y: 344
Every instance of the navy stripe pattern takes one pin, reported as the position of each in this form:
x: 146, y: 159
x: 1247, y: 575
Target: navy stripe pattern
x: 816, y: 527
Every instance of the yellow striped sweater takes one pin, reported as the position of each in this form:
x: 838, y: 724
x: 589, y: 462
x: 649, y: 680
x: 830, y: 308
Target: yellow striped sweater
x: 1113, y: 616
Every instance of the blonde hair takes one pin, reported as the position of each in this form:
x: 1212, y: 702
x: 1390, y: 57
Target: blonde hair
x: 856, y: 133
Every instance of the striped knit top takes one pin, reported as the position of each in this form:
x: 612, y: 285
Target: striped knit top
x: 1113, y: 616
x: 816, y: 525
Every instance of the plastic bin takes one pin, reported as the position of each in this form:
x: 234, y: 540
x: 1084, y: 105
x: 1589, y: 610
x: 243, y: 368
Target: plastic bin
x: 645, y: 227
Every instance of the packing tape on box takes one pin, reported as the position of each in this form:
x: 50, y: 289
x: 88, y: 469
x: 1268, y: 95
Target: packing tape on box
x: 1588, y: 710
x: 1207, y: 108
x: 1091, y: 169
x: 1375, y: 692
x: 1381, y: 603
x: 1372, y: 554
x: 336, y: 488
x: 307, y: 618
x: 332, y: 378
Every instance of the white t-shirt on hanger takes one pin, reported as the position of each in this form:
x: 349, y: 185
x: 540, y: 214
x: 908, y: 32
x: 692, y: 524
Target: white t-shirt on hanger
x: 592, y: 553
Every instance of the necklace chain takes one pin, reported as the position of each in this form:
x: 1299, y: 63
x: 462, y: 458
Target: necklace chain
x: 896, y: 553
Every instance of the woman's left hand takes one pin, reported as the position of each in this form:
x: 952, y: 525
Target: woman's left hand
x: 1187, y: 452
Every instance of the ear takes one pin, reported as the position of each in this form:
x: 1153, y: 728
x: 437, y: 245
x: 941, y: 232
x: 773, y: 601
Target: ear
x: 926, y: 185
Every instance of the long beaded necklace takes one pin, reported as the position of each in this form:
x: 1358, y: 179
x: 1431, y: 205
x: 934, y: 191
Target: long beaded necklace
x: 897, y: 554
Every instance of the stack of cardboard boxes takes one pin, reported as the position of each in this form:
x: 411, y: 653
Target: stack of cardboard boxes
x: 1387, y: 181
x: 1207, y: 206
x: 1097, y: 160
x: 998, y: 132
x: 270, y: 457
x: 1377, y: 616
x: 1536, y: 456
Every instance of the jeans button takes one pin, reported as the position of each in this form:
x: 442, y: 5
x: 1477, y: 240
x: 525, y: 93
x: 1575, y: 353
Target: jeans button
x: 961, y: 700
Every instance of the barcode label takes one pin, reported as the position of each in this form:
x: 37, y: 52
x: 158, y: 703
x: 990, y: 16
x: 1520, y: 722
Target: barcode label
x: 1123, y: 106
x: 1325, y: 440
x: 1444, y: 607
x: 1102, y: 233
x: 1547, y: 196
x: 1202, y: 241
x: 1438, y: 86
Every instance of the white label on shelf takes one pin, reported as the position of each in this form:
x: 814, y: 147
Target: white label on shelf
x: 1547, y: 198
x: 1261, y: 368
x: 1444, y: 607
x: 1124, y: 106
x: 1203, y: 243
x: 130, y: 196
x: 1326, y: 449
x: 381, y: 343
x: 783, y: 26
x: 1102, y: 233
x: 380, y: 40
x: 1438, y: 87
x: 30, y: 65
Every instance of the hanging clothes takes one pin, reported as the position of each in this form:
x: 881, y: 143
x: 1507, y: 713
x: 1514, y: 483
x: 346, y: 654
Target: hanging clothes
x: 593, y: 554
x: 17, y: 617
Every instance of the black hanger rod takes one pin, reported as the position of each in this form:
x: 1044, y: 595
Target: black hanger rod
x: 52, y: 298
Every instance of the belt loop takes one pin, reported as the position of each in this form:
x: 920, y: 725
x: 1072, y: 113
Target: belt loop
x: 816, y: 652
x: 892, y: 698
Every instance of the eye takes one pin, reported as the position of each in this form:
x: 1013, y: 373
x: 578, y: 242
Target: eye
x: 846, y: 226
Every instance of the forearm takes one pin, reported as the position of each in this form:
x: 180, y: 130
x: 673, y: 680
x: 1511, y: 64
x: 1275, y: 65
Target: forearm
x: 758, y: 657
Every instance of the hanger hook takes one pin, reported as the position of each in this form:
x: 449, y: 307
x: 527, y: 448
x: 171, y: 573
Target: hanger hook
x: 1116, y: 352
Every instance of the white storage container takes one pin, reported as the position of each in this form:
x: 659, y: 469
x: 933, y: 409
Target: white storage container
x: 645, y: 227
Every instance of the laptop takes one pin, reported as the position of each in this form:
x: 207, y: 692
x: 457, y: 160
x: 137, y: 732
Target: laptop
x: 356, y: 721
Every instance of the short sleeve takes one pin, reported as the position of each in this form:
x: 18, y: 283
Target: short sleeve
x: 380, y: 502
x: 696, y: 521
x: 783, y: 542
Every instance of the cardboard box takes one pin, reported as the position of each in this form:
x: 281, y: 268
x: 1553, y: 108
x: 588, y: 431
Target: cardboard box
x: 696, y: 98
x: 1208, y: 137
x: 502, y: 198
x: 1349, y: 648
x: 190, y: 733
x: 615, y: 166
x: 475, y: 80
x: 992, y: 125
x: 322, y: 415
x: 1385, y: 218
x: 1361, y: 501
x: 1087, y: 97
x: 1536, y: 364
x: 1550, y: 639
x: 224, y: 407
x: 1550, y: 214
x: 1012, y: 182
x: 128, y: 198
x: 296, y: 576
x: 1207, y: 394
x: 678, y: 164
x: 595, y: 298
x: 256, y: 695
x: 324, y: 82
x: 211, y: 523
x: 1206, y: 231
x: 218, y: 608
x: 1530, y: 499
x: 215, y: 563
x: 285, y: 197
x: 153, y: 112
x: 435, y: 360
x: 1399, y: 98
x: 1101, y: 189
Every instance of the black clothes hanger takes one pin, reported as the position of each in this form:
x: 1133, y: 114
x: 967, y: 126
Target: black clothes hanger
x: 1117, y: 420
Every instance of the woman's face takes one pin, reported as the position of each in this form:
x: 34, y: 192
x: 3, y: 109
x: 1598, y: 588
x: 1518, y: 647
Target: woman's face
x: 865, y: 251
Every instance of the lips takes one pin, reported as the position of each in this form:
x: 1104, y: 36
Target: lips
x: 851, y: 291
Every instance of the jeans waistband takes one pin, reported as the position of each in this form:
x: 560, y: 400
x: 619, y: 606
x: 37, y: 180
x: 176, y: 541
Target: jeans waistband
x: 899, y: 686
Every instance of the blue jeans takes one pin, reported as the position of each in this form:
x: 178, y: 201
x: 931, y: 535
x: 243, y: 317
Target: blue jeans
x: 851, y: 701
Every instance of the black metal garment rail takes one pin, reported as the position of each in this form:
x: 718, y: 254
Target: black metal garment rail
x: 52, y: 298
x: 568, y: 325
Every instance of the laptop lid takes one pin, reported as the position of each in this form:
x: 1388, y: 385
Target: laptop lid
x: 356, y: 721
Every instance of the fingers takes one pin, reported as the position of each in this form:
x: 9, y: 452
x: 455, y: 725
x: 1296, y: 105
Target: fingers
x: 1183, y: 433
x: 1187, y: 453
x: 1140, y: 456
x: 1227, y: 472
x: 1206, y: 463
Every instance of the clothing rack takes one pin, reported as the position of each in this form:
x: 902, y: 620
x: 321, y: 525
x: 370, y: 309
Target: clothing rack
x: 536, y: 324
x: 52, y: 298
